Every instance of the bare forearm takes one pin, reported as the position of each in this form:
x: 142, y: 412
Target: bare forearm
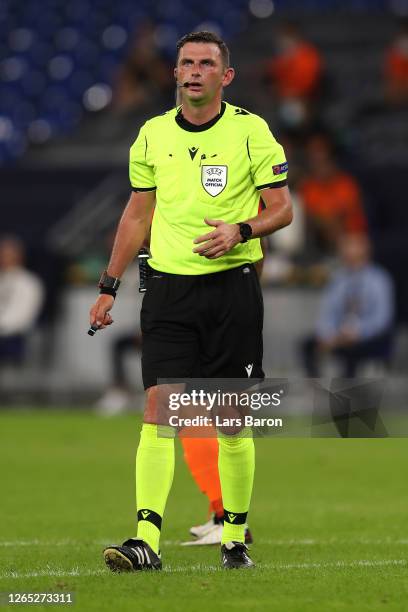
x: 132, y: 231
x: 272, y: 218
x: 129, y: 239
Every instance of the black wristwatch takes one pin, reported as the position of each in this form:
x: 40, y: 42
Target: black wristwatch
x: 245, y: 230
x: 108, y: 284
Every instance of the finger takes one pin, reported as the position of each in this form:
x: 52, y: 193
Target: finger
x: 205, y: 247
x: 213, y: 222
x: 216, y: 254
x: 107, y: 320
x: 212, y: 250
x: 208, y: 248
x: 204, y: 237
x: 96, y: 319
x: 100, y: 317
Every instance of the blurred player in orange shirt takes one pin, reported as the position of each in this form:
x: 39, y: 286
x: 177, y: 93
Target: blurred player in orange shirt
x: 296, y: 70
x: 331, y: 197
x: 396, y: 68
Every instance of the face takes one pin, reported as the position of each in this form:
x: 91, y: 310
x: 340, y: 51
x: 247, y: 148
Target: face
x: 11, y: 254
x: 402, y: 44
x: 200, y: 64
x: 354, y: 250
x: 319, y: 158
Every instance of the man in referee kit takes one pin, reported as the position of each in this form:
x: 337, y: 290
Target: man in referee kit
x: 203, y: 167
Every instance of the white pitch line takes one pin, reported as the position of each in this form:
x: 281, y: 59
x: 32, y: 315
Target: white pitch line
x: 269, y: 542
x: 12, y: 543
x: 364, y: 563
x: 52, y: 572
x: 331, y: 541
x: 340, y: 564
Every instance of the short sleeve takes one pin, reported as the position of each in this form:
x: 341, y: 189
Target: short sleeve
x: 269, y: 167
x: 140, y: 172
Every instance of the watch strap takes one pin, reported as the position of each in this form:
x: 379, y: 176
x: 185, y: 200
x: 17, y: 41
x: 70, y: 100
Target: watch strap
x: 246, y: 231
x: 107, y: 291
x: 108, y: 282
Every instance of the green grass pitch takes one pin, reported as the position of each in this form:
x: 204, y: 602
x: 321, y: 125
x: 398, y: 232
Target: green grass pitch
x: 329, y: 519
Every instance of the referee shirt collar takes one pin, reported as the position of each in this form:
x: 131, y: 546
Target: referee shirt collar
x: 191, y: 127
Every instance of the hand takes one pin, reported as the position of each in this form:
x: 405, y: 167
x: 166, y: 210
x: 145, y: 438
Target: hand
x: 347, y: 336
x: 325, y: 346
x: 99, y: 313
x: 219, y: 241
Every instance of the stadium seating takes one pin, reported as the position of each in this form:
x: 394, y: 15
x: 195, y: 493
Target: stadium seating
x: 59, y: 61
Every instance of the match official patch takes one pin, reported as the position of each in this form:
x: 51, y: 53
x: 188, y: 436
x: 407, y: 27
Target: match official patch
x: 214, y: 179
x: 280, y: 168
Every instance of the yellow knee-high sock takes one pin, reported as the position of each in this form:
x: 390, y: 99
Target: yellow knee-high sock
x: 236, y: 464
x: 154, y: 477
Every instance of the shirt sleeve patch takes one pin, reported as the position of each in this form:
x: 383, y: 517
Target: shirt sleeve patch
x: 280, y: 168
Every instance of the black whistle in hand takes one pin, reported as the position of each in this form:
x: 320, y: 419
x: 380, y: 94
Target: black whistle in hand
x: 92, y: 330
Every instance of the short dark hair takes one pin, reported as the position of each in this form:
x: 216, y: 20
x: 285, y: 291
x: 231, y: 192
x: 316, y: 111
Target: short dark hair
x: 206, y: 37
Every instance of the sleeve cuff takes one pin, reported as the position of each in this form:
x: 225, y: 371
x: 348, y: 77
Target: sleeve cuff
x: 143, y: 188
x: 272, y: 185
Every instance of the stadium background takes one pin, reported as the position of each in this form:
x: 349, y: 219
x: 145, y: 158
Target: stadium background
x: 77, y: 80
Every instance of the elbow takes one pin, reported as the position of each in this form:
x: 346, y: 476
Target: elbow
x: 287, y: 213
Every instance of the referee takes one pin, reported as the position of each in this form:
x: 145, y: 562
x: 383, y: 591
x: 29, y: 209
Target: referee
x: 204, y: 167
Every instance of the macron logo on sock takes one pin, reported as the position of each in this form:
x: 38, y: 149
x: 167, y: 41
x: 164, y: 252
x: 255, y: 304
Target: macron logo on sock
x: 248, y: 369
x: 232, y: 517
x: 145, y: 513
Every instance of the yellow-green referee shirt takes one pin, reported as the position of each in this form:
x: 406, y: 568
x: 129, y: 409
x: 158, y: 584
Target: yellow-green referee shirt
x: 213, y: 170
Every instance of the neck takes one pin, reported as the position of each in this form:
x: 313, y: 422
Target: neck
x: 197, y: 115
x: 355, y: 267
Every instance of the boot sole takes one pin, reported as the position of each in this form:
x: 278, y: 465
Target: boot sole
x: 116, y: 561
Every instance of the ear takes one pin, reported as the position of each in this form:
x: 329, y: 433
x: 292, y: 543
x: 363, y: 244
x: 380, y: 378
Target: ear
x: 175, y: 73
x: 228, y: 77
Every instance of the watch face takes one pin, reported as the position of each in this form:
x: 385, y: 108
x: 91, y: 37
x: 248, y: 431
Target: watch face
x: 109, y: 282
x: 245, y: 230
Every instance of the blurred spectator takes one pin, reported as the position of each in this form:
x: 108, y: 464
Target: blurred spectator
x: 355, y: 323
x: 296, y: 70
x: 387, y: 214
x: 21, y: 298
x: 118, y: 397
x: 396, y: 68
x: 331, y: 198
x: 144, y: 73
x: 294, y: 74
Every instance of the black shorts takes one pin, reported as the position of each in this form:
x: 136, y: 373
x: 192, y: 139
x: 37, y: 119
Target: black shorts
x: 203, y: 326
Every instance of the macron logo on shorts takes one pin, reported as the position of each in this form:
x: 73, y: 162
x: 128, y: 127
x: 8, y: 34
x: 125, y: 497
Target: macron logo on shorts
x: 248, y: 369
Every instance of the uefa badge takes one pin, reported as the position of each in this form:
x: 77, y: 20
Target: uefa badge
x: 214, y: 179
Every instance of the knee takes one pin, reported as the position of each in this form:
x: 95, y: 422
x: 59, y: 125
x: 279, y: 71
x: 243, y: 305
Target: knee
x: 236, y: 442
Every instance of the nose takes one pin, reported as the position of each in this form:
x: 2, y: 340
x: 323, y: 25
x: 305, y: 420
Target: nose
x: 195, y: 69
